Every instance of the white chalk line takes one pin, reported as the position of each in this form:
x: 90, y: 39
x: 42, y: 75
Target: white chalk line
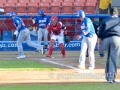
x: 48, y: 60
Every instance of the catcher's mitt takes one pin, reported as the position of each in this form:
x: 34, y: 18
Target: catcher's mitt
x: 66, y: 39
x: 14, y: 37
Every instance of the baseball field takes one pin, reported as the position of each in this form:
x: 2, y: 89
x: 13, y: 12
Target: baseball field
x: 37, y: 72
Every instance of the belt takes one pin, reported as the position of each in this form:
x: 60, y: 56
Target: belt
x: 90, y: 35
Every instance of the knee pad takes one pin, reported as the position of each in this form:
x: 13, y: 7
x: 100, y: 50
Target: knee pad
x: 61, y: 46
x: 52, y: 42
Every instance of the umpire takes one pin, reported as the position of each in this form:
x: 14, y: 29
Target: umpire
x: 110, y: 34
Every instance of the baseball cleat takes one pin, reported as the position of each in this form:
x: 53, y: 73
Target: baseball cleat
x: 91, y: 67
x: 48, y: 55
x: 63, y: 56
x: 43, y: 50
x: 21, y: 57
x: 37, y: 51
x: 81, y: 67
x: 53, y: 57
x: 111, y: 81
x: 102, y: 55
x: 87, y: 55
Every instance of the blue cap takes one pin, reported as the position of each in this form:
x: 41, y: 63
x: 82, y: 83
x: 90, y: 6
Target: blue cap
x: 12, y: 14
x: 41, y: 12
x: 81, y: 13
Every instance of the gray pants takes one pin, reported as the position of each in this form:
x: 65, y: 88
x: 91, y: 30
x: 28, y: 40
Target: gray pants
x: 88, y: 42
x: 43, y: 33
x: 112, y: 46
x: 25, y: 35
x: 102, y: 49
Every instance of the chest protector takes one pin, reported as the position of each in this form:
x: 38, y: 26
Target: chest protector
x: 55, y: 29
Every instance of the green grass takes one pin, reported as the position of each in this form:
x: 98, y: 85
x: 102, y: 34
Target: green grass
x: 80, y: 86
x: 24, y: 65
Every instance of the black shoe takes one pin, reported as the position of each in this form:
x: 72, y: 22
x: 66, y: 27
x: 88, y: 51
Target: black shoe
x: 111, y: 81
x: 43, y: 50
x: 37, y: 51
x: 87, y: 55
x: 45, y: 46
x: 102, y: 55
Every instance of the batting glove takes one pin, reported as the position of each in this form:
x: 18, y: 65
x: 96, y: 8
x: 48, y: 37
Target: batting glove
x: 16, y: 33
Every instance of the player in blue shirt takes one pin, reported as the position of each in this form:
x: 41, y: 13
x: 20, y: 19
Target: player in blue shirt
x: 42, y: 22
x: 89, y: 40
x: 23, y: 34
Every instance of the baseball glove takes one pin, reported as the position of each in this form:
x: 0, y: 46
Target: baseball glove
x: 14, y: 37
x: 66, y: 39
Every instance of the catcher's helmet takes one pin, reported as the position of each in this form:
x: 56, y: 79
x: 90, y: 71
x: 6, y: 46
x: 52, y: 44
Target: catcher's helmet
x: 41, y: 12
x: 54, y: 18
x: 12, y: 14
x: 81, y: 13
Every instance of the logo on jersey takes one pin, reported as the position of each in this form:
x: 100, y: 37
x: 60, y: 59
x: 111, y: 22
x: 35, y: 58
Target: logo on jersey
x: 41, y: 21
x: 17, y: 21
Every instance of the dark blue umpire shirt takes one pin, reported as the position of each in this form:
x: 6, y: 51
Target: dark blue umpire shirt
x: 109, y: 27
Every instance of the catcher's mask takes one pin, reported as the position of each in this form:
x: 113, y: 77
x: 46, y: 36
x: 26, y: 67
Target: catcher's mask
x: 54, y: 20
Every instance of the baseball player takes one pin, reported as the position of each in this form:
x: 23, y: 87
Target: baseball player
x: 24, y: 34
x: 89, y: 41
x: 56, y: 31
x: 42, y: 22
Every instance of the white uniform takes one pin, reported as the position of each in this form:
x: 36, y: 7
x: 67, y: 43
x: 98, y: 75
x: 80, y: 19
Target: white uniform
x: 89, y: 41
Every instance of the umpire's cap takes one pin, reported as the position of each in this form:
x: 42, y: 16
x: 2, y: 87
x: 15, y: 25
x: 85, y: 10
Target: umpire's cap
x: 80, y: 13
x: 113, y: 11
x: 12, y: 14
x: 40, y: 12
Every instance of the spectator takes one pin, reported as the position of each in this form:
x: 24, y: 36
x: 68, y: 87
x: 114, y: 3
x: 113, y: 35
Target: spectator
x: 104, y: 6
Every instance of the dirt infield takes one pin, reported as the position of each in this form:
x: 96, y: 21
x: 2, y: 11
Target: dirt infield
x: 68, y: 73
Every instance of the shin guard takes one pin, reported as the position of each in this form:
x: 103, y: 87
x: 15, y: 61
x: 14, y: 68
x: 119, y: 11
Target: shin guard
x: 62, y: 48
x: 50, y: 49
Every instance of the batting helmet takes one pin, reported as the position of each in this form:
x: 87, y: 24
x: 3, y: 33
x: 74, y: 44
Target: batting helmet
x: 81, y: 13
x: 41, y: 12
x: 12, y: 14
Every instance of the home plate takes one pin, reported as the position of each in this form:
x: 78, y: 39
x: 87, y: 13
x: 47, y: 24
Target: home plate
x: 118, y: 81
x: 85, y: 71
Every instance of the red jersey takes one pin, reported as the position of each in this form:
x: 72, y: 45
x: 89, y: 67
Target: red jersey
x: 56, y: 29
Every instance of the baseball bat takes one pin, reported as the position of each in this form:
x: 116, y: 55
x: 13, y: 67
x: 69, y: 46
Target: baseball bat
x: 13, y: 37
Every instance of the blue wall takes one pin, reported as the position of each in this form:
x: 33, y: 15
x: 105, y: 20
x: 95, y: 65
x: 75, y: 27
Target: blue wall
x: 12, y: 46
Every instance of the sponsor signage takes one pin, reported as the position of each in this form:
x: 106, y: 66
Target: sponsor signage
x: 12, y: 46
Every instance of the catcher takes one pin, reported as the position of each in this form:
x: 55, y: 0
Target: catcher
x: 56, y: 30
